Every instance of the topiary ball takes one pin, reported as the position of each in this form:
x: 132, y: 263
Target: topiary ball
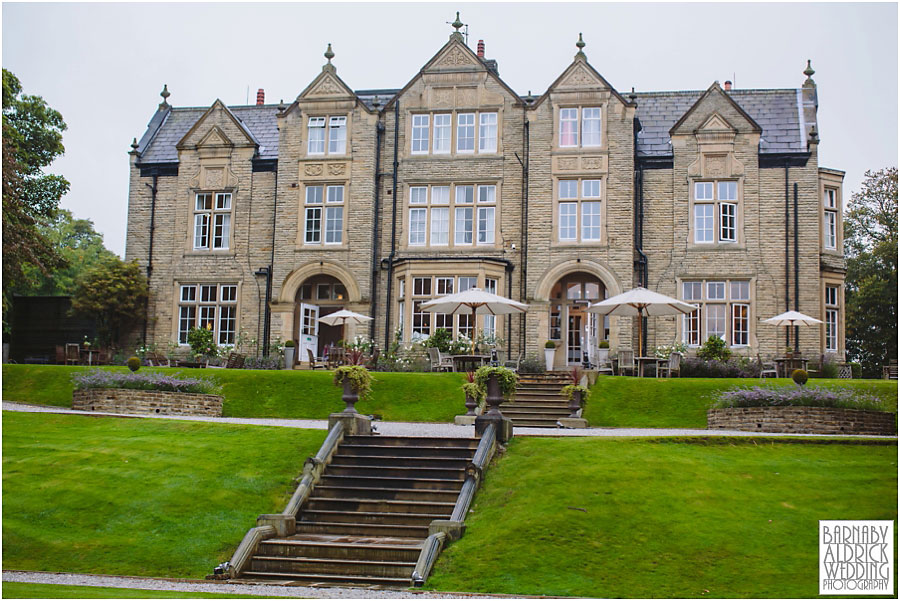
x: 133, y: 364
x: 799, y: 376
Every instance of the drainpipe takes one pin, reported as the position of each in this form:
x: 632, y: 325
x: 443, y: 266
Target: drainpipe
x: 639, y: 222
x: 787, y: 259
x: 796, y: 271
x: 267, y: 320
x: 390, y: 279
x: 379, y: 132
x: 153, y: 190
x: 523, y: 251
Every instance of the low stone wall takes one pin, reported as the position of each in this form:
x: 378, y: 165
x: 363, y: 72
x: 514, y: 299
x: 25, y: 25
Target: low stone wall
x: 120, y: 400
x: 803, y: 420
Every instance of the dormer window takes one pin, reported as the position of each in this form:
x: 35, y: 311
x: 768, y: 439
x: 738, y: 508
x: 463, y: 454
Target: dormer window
x: 337, y: 135
x: 587, y: 133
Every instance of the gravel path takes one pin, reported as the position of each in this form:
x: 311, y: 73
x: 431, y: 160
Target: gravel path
x: 426, y: 429
x: 211, y: 586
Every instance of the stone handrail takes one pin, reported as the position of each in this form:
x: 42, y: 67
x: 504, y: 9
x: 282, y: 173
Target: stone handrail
x: 313, y: 468
x: 247, y: 549
x: 473, y: 478
x: 430, y: 551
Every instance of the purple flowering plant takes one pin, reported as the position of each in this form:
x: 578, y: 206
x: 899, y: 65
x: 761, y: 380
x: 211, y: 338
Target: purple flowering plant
x: 101, y: 378
x: 797, y: 396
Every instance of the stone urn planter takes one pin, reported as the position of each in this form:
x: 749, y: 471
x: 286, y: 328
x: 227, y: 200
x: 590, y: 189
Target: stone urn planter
x: 549, y: 354
x: 289, y: 357
x: 576, y: 403
x: 602, y: 356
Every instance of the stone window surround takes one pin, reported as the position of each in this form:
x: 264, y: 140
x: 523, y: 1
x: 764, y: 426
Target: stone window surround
x: 555, y: 242
x: 824, y: 188
x: 451, y: 243
x: 453, y: 112
x: 728, y: 302
x: 603, y: 105
x: 301, y: 216
x: 177, y: 303
x: 839, y: 284
x: 717, y: 242
x: 406, y: 274
x: 304, y: 142
x: 192, y: 211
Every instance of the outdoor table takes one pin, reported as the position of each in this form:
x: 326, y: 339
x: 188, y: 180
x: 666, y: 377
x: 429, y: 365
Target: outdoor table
x: 785, y: 365
x: 469, y: 362
x: 641, y: 361
x: 90, y: 355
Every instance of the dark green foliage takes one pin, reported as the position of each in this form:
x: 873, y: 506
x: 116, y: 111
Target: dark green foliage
x: 441, y: 340
x: 359, y: 377
x: 507, y: 379
x: 714, y: 349
x: 870, y: 243
x: 134, y: 363
x: 202, y: 341
x: 799, y: 376
x: 549, y: 344
x: 114, y: 293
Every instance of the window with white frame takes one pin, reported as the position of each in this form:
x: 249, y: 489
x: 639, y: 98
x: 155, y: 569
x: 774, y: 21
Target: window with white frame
x: 333, y: 128
x: 831, y: 219
x: 475, y: 133
x: 324, y: 215
x: 832, y: 312
x: 452, y: 215
x: 579, y: 210
x: 212, y: 220
x: 724, y: 311
x: 490, y: 321
x: 425, y: 323
x: 580, y: 127
x: 421, y: 320
x: 211, y: 306
x: 715, y: 212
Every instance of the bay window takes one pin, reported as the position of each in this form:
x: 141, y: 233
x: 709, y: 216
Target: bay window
x: 831, y: 219
x: 469, y: 219
x: 724, y: 311
x: 211, y: 306
x: 832, y: 312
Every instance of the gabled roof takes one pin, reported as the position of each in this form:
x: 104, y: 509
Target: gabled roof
x: 715, y: 89
x: 218, y: 104
x: 580, y: 62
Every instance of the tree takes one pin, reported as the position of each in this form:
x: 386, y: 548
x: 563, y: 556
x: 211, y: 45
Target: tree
x: 114, y: 292
x: 32, y: 139
x: 870, y: 241
x: 80, y: 246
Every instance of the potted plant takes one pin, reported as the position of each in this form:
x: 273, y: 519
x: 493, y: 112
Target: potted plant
x: 357, y: 383
x: 289, y: 354
x: 789, y: 352
x: 497, y: 383
x: 549, y: 352
x: 474, y: 393
x: 603, y: 352
x: 578, y: 396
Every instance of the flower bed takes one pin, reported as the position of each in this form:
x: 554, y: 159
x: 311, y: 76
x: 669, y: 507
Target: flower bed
x: 144, y: 393
x: 99, y: 378
x: 797, y: 396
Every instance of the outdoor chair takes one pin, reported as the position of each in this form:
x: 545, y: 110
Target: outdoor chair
x: 60, y: 354
x: 438, y: 361
x: 73, y: 354
x: 156, y: 360
x: 335, y: 357
x: 513, y: 364
x: 767, y: 369
x: 234, y: 361
x: 626, y: 362
x: 372, y: 363
x: 313, y: 364
x: 605, y: 366
x: 888, y: 372
x: 672, y: 364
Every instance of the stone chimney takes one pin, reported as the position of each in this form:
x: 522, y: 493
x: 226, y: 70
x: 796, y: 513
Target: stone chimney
x: 727, y: 85
x: 481, y: 49
x: 260, y: 97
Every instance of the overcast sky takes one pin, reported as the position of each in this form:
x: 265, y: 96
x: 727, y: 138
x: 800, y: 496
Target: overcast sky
x: 103, y: 65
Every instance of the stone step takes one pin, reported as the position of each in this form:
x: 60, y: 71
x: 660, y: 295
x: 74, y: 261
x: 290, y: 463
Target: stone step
x: 513, y: 412
x: 379, y: 505
x: 400, y: 494
x: 411, y: 441
x: 534, y: 422
x: 556, y: 402
x: 379, y: 481
x: 305, y: 566
x: 362, y: 548
x: 387, y: 471
x: 393, y: 461
x: 372, y: 517
x: 400, y: 451
x: 363, y: 529
x: 289, y: 578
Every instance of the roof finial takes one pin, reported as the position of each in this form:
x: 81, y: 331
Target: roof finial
x: 813, y: 137
x: 165, y: 96
x: 134, y: 146
x: 328, y: 53
x: 809, y: 72
x: 457, y: 25
x: 580, y: 45
x: 632, y: 97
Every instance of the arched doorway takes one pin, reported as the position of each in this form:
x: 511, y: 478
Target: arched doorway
x: 572, y: 328
x: 317, y: 296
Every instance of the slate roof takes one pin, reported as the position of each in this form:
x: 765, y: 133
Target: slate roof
x: 776, y: 111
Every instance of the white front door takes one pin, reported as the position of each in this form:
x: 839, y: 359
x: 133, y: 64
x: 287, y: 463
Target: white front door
x: 309, y: 330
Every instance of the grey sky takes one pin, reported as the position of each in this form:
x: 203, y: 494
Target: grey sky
x: 103, y: 65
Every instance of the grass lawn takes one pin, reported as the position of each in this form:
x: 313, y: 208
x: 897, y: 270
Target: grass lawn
x: 139, y: 497
x: 710, y: 518
x: 267, y: 393
x: 682, y: 402
x: 28, y: 590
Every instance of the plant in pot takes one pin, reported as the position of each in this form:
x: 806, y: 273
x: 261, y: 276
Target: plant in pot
x: 549, y: 353
x: 357, y: 383
x: 289, y: 349
x: 474, y: 394
x: 498, y: 383
x: 603, y: 352
x: 578, y: 396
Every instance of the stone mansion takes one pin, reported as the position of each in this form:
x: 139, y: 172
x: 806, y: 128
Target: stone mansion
x: 263, y: 218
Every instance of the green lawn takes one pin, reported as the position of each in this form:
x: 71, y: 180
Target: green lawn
x: 27, y: 590
x: 682, y: 402
x: 264, y: 393
x: 703, y: 518
x: 139, y: 497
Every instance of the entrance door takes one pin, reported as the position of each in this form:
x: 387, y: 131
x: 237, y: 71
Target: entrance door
x: 309, y: 330
x: 573, y: 348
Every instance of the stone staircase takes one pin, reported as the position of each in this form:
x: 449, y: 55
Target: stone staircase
x: 367, y: 518
x: 537, y: 402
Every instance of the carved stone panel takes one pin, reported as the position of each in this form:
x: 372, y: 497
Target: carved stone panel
x: 579, y: 77
x: 313, y: 169
x: 215, y: 178
x: 327, y: 87
x: 336, y: 168
x: 443, y: 97
x: 592, y: 163
x: 466, y: 97
x: 716, y: 166
x: 568, y: 163
x: 455, y: 58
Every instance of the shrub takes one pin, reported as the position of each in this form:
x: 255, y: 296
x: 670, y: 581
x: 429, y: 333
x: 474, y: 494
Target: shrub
x: 271, y: 362
x: 134, y: 364
x: 799, y: 376
x: 806, y: 396
x: 829, y: 368
x: 663, y: 352
x: 604, y: 344
x: 359, y: 377
x: 549, y: 344
x: 569, y: 392
x: 202, y: 341
x: 99, y: 378
x: 742, y: 367
x: 440, y: 340
x: 714, y: 349
x: 532, y: 364
x: 289, y: 344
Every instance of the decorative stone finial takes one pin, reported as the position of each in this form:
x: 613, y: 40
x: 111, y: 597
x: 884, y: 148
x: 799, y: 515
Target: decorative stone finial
x: 580, y: 45
x: 281, y: 106
x: 165, y: 96
x: 632, y: 97
x: 457, y: 25
x: 134, y: 145
x: 813, y: 137
x: 328, y: 53
x: 809, y: 72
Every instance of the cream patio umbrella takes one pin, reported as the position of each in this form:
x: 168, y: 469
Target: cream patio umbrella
x: 641, y: 302
x: 477, y: 302
x: 342, y: 317
x: 790, y: 319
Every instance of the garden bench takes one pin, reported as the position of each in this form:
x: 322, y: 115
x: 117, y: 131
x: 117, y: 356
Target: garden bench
x: 889, y: 372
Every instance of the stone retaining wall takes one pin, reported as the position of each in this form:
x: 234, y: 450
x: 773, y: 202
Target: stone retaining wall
x: 120, y: 400
x: 803, y: 420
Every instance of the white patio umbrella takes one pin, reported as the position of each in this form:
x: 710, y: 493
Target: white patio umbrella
x: 640, y: 302
x: 343, y: 316
x: 790, y: 319
x: 477, y: 302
